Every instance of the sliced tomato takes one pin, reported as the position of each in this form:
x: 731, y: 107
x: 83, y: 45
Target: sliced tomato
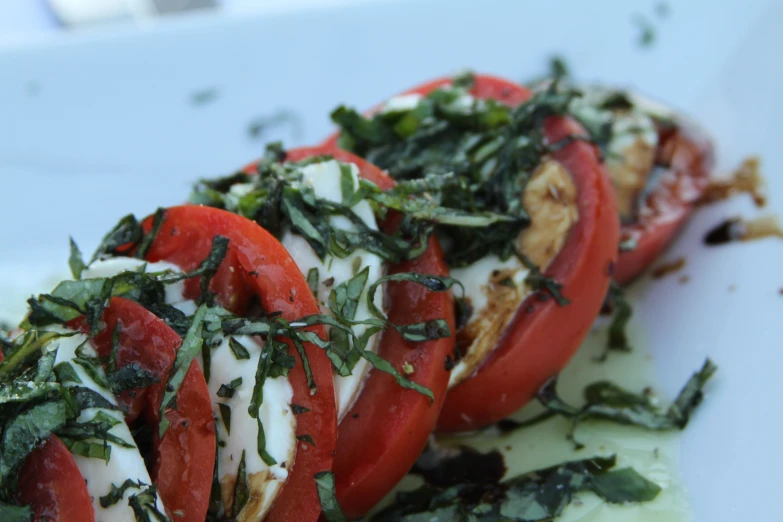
x: 387, y: 427
x: 687, y: 156
x: 542, y: 336
x: 185, y: 456
x: 50, y: 482
x: 258, y: 267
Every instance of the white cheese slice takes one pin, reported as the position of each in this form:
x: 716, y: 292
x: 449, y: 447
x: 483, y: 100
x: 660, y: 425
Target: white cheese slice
x: 275, y: 413
x: 124, y: 463
x: 324, y: 177
x: 241, y: 435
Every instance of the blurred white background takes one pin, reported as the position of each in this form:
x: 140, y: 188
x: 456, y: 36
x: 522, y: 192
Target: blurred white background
x: 29, y: 20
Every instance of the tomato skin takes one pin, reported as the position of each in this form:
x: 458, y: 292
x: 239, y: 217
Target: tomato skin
x: 387, y: 428
x: 51, y: 483
x: 257, y: 264
x: 666, y: 210
x: 542, y: 336
x: 185, y: 457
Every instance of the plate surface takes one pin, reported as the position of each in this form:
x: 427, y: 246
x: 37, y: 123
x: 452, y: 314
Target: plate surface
x: 99, y: 125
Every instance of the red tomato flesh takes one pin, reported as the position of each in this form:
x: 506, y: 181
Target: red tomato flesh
x: 667, y: 208
x: 257, y: 266
x: 50, y: 482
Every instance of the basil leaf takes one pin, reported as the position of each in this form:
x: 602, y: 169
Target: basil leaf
x: 537, y: 496
x: 191, y: 345
x: 226, y: 391
x: 75, y: 260
x: 125, y: 235
x: 129, y: 377
x: 25, y: 432
x: 149, y: 238
x: 324, y: 482
x: 225, y: 415
x: 624, y: 485
x: 608, y: 402
x: 9, y: 513
x: 116, y: 494
x: 241, y: 488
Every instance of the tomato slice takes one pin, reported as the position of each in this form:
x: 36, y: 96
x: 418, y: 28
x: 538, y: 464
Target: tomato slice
x: 257, y: 266
x: 542, y: 336
x: 387, y: 427
x: 687, y: 156
x: 51, y: 483
x: 185, y: 456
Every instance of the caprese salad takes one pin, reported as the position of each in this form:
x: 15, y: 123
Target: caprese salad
x: 282, y: 347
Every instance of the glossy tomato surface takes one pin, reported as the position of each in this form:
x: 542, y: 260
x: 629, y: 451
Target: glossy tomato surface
x: 50, y: 482
x: 258, y: 271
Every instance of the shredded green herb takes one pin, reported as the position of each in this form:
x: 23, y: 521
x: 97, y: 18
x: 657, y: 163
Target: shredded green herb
x: 606, y: 401
x: 476, y: 155
x: 11, y: 513
x: 324, y: 482
x: 191, y: 345
x: 538, y: 496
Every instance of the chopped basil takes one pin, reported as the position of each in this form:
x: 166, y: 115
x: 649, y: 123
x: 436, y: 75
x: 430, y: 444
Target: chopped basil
x: 117, y: 493
x: 558, y: 68
x: 306, y: 438
x: 96, y: 428
x: 225, y: 415
x: 277, y: 198
x: 481, y: 152
x: 263, y: 370
x: 415, y: 332
x: 312, y: 281
x: 298, y: 410
x: 622, y: 312
x: 129, y: 377
x: 149, y: 237
x: 537, y: 496
x: 144, y: 505
x: 605, y: 401
x: 91, y: 450
x: 324, y: 482
x: 226, y: 391
x: 65, y: 373
x: 241, y: 488
x: 75, y: 261
x: 10, y: 513
x: 25, y: 432
x: 239, y: 351
x: 191, y: 345
x: 125, y: 235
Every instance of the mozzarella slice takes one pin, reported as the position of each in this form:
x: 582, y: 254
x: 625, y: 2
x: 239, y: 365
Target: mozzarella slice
x: 265, y: 482
x: 240, y: 436
x: 324, y: 178
x: 496, y: 288
x: 402, y: 103
x: 124, y: 463
x: 113, y: 266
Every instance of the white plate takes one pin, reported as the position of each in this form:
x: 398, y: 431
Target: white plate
x: 96, y: 126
